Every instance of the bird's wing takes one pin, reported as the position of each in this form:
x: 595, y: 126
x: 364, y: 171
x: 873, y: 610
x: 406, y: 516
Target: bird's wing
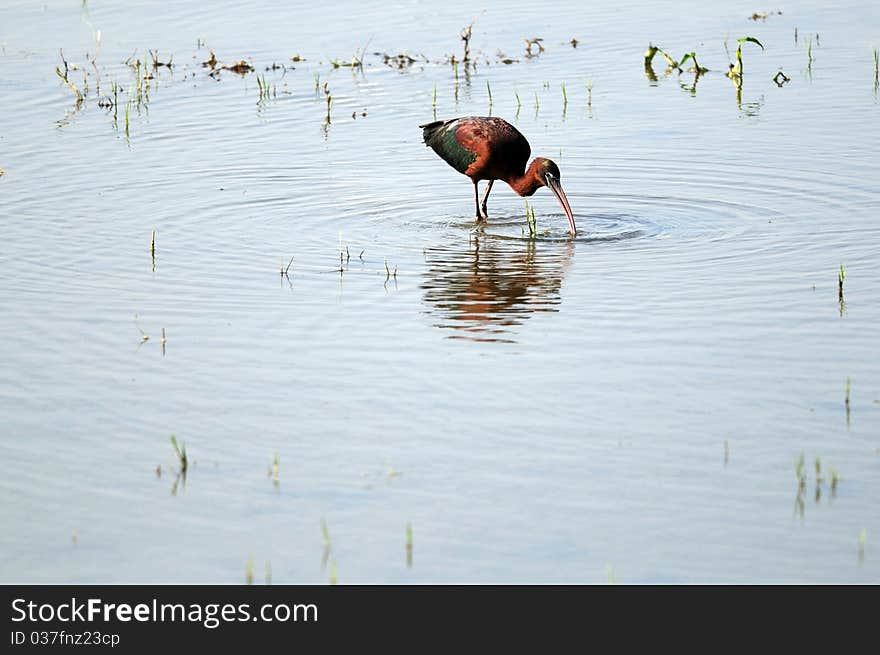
x: 499, y: 149
x: 444, y: 138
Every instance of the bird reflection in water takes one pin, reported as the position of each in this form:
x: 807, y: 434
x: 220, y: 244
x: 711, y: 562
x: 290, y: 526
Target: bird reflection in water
x: 489, y: 286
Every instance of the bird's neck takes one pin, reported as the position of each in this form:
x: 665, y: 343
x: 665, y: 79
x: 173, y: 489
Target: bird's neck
x: 527, y: 183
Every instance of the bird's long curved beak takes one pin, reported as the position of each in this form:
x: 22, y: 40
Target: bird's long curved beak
x: 556, y: 188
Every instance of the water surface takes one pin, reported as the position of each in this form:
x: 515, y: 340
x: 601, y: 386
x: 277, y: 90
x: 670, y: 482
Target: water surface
x: 628, y: 404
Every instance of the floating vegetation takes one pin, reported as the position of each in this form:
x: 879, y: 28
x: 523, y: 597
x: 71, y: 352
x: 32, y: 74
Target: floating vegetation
x: 180, y: 451
x: 275, y: 469
x: 876, y: 69
x: 846, y: 400
x: 696, y: 68
x: 841, y: 276
x: 802, y: 484
x: 342, y: 255
x: 466, y: 34
x: 609, y: 574
x: 531, y: 43
x: 409, y: 546
x: 127, y: 110
x: 183, y: 462
x: 652, y: 51
x: 144, y: 336
x: 531, y: 221
x: 389, y: 273
x: 735, y: 71
x: 241, y: 67
x: 285, y: 269
x: 590, y: 94
x: 65, y: 77
x: 325, y: 533
x: 400, y: 62
x: 489, y: 91
x: 262, y: 87
x: 249, y: 570
x: 156, y: 63
x: 210, y: 62
x: 781, y: 78
x: 329, y: 100
x: 762, y: 15
x: 328, y: 545
x: 820, y: 480
x: 810, y: 54
x: 799, y: 471
x: 356, y: 61
x: 115, y: 88
x: 574, y: 43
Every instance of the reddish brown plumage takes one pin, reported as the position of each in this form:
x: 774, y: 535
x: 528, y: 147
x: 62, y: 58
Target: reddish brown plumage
x: 501, y: 150
x: 490, y: 148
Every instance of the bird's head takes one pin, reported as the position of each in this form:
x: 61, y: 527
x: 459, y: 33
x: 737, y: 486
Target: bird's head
x: 548, y: 174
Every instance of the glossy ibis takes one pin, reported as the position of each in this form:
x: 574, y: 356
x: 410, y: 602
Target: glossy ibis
x: 490, y: 148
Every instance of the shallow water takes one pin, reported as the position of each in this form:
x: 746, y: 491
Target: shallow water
x: 629, y: 404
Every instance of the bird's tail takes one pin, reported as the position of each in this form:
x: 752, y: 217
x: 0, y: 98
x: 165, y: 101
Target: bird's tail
x: 429, y: 130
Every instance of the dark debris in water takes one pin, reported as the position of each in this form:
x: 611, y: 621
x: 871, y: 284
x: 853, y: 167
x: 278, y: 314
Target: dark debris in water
x: 762, y: 15
x: 241, y: 67
x: 534, y: 42
x: 157, y: 64
x: 400, y: 62
x: 781, y: 78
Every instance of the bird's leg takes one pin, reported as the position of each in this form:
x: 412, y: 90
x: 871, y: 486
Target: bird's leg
x: 480, y: 217
x: 485, y: 213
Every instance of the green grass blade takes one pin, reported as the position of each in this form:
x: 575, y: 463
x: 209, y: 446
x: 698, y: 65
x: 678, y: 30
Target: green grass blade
x: 749, y: 39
